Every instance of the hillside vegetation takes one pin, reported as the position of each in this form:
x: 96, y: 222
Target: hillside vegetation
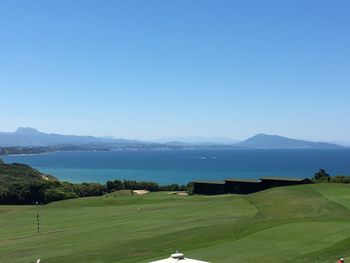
x: 21, y: 184
x: 21, y: 174
x: 306, y: 223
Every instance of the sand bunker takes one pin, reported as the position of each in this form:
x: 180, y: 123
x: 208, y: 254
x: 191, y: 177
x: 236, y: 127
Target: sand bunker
x: 141, y: 192
x: 178, y: 193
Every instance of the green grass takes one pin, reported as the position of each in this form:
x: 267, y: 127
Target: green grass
x: 308, y: 223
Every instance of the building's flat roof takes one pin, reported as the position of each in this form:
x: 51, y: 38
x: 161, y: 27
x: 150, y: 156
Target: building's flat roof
x: 243, y: 180
x: 281, y: 178
x: 255, y: 181
x: 208, y: 182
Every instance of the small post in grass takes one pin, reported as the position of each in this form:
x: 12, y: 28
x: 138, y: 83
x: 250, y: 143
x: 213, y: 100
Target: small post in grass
x: 37, y: 216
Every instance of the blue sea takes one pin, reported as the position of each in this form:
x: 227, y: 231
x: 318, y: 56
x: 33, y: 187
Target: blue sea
x: 183, y: 166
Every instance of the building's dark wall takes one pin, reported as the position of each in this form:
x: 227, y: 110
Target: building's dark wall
x: 307, y: 181
x: 209, y: 189
x: 242, y: 187
x: 266, y: 184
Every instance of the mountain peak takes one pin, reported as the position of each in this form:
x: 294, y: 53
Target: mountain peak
x: 27, y: 131
x: 264, y: 135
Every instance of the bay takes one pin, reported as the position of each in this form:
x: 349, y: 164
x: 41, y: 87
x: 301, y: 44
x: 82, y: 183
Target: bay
x: 183, y: 166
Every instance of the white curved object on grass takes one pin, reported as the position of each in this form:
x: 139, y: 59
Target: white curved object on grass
x: 178, y: 258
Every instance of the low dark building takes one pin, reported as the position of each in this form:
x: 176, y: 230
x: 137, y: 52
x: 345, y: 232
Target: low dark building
x: 209, y: 187
x: 242, y: 186
x: 271, y: 181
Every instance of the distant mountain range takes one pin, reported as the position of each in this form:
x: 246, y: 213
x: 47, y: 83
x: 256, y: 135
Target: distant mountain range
x: 29, y: 137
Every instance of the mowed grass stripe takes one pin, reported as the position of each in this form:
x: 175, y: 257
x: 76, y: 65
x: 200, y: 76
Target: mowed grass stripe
x: 96, y: 226
x: 277, y: 244
x: 292, y: 222
x: 293, y: 202
x: 339, y: 193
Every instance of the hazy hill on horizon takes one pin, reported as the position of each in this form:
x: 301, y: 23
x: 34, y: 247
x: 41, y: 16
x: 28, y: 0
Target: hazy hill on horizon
x: 265, y: 141
x: 31, y: 137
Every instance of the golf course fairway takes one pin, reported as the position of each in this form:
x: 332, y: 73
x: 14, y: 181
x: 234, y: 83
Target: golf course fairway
x: 306, y: 223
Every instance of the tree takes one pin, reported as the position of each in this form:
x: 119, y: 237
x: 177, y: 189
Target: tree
x: 322, y: 176
x: 190, y: 188
x: 114, y: 186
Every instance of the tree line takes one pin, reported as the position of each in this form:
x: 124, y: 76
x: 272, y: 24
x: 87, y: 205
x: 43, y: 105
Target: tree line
x: 323, y: 177
x: 46, y: 192
x: 143, y: 185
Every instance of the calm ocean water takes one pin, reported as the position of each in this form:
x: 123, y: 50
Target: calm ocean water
x: 183, y: 166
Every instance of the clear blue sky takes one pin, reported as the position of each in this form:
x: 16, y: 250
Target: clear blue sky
x: 150, y: 69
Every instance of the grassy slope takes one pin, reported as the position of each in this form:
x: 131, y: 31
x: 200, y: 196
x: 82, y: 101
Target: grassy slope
x: 309, y: 223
